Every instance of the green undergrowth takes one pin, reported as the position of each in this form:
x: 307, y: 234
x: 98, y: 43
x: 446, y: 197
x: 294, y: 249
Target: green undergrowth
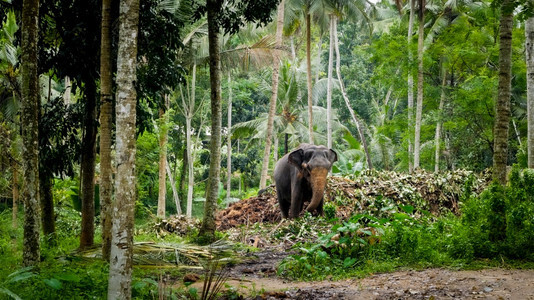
x: 495, y: 229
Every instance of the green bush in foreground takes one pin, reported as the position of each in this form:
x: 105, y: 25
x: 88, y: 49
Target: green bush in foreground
x: 496, y: 225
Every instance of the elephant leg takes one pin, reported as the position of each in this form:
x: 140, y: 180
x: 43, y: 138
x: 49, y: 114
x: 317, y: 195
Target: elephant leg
x: 296, y: 206
x: 284, y: 205
x: 320, y: 211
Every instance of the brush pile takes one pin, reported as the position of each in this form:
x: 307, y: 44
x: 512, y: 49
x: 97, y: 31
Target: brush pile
x: 259, y: 209
x: 374, y: 192
x: 180, y: 225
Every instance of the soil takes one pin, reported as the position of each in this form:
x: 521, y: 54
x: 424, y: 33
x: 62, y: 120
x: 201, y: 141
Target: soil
x: 256, y: 278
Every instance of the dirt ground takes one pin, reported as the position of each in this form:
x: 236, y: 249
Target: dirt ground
x: 256, y: 278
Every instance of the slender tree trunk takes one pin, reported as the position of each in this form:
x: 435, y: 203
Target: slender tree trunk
x: 190, y: 160
x: 420, y: 82
x: 440, y: 116
x: 68, y: 88
x: 181, y: 183
x: 275, y: 148
x: 529, y: 32
x: 229, y: 140
x: 502, y: 107
x: 286, y: 143
x: 48, y: 220
x: 329, y: 86
x: 163, y: 135
x: 173, y: 188
x: 318, y: 58
x: 106, y: 109
x: 120, y: 268
x: 190, y: 174
x: 516, y: 132
x: 309, y: 75
x: 355, y: 119
x: 87, y: 167
x: 274, y: 97
x: 15, y: 190
x: 208, y: 223
x: 410, y: 87
x: 30, y: 131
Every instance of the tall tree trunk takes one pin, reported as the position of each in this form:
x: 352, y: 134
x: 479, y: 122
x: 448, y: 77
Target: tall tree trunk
x: 440, y: 116
x: 318, y: 58
x: 183, y: 169
x: 355, y: 119
x: 208, y: 223
x: 15, y: 190
x: 274, y: 96
x: 410, y: 87
x: 190, y: 160
x: 329, y: 86
x: 229, y: 139
x: 275, y: 148
x: 68, y: 88
x: 48, y: 220
x: 420, y: 82
x: 30, y: 131
x: 309, y: 75
x: 106, y: 109
x: 502, y: 107
x: 190, y: 173
x: 163, y: 135
x: 120, y: 268
x: 87, y: 167
x: 529, y: 32
x: 175, y: 195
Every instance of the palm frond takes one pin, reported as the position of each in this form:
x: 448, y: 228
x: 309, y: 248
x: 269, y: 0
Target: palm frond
x: 321, y: 87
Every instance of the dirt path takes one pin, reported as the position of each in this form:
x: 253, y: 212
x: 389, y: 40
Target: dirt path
x: 257, y: 277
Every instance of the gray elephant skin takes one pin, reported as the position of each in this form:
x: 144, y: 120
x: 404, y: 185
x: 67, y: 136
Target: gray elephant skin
x: 300, y: 176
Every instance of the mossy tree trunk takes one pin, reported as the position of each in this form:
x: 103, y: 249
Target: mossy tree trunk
x: 30, y: 132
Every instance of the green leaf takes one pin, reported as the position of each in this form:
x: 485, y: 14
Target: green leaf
x: 53, y: 283
x: 407, y: 208
x: 9, y: 293
x: 20, y: 275
x: 348, y: 262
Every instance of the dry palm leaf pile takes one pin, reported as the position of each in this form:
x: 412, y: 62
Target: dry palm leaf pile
x: 373, y: 192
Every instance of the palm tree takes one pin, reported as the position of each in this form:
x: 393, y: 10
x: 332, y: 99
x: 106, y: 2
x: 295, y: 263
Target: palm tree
x: 420, y: 81
x: 162, y: 176
x: 121, y: 259
x: 106, y: 109
x: 502, y: 106
x: 529, y: 33
x: 305, y: 9
x: 410, y: 86
x: 274, y: 97
x: 29, y: 117
x: 440, y: 113
x: 208, y: 225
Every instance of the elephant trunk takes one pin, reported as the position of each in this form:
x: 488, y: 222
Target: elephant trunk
x: 318, y: 184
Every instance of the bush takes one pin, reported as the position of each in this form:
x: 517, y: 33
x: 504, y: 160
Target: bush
x: 497, y: 224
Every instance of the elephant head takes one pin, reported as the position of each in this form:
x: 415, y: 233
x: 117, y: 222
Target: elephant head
x: 313, y: 163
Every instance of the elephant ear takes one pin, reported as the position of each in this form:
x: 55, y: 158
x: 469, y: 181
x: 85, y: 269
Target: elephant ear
x: 296, y: 158
x: 332, y: 156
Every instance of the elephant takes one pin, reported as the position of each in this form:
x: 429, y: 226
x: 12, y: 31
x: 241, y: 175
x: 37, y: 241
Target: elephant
x: 300, y: 176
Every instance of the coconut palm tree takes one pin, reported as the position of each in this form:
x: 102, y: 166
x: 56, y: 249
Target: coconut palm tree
x: 529, y: 45
x: 273, y: 99
x: 106, y: 110
x: 502, y: 105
